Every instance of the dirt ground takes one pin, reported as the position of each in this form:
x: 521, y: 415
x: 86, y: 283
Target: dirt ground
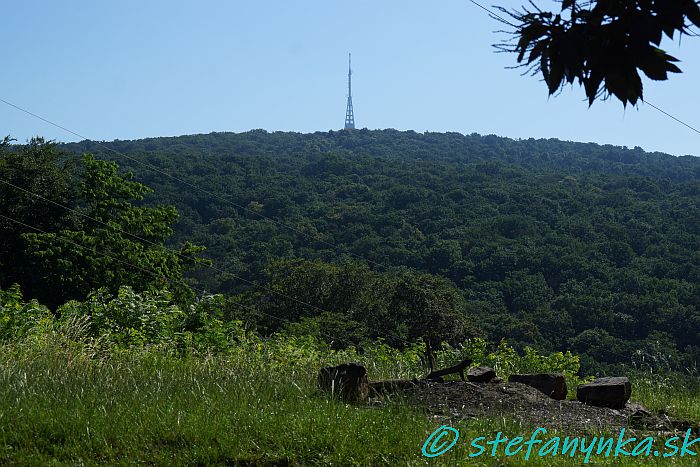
x: 460, y: 399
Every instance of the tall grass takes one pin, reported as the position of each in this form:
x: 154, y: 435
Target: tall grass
x: 676, y: 395
x: 59, y: 406
x: 67, y: 404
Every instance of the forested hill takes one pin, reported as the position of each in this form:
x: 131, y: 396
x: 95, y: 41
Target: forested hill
x: 559, y: 244
x: 545, y: 154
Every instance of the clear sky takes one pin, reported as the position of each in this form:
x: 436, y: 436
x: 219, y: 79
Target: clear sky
x: 130, y: 69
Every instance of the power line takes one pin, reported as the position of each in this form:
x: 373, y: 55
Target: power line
x: 195, y: 187
x: 489, y: 11
x: 495, y: 15
x: 127, y: 263
x: 671, y: 116
x: 690, y: 33
x: 156, y: 169
x: 150, y: 272
x: 113, y: 227
x: 215, y: 195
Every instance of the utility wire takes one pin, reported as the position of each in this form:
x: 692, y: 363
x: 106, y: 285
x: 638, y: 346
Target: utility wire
x: 195, y: 187
x: 172, y: 177
x: 671, y: 116
x: 690, y: 33
x: 490, y: 12
x: 150, y: 272
x: 116, y: 228
x: 156, y: 169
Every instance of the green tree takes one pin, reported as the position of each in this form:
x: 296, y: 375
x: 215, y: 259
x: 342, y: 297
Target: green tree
x: 544, y: 238
x: 341, y: 302
x: 428, y: 307
x: 37, y: 167
x: 116, y: 243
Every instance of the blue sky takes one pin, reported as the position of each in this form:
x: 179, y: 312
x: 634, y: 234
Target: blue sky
x: 131, y: 69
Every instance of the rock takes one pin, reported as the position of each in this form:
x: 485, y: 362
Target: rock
x: 480, y: 374
x: 611, y: 391
x: 347, y: 381
x: 552, y: 384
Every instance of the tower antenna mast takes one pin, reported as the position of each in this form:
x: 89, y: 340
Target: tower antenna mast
x: 349, y: 115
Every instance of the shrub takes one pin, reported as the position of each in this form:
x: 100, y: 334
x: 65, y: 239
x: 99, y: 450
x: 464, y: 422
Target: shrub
x: 17, y: 318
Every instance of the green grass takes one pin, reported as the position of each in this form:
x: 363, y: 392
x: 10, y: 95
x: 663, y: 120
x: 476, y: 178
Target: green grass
x: 679, y: 397
x: 138, y: 407
x: 63, y: 405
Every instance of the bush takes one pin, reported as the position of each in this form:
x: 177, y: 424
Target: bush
x: 505, y: 360
x: 17, y: 318
x: 151, y: 322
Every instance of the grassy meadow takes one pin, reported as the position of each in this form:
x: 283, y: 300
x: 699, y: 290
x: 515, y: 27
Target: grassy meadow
x: 66, y: 401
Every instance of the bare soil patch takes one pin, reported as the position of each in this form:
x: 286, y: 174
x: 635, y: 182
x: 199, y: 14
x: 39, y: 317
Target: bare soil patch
x: 461, y: 399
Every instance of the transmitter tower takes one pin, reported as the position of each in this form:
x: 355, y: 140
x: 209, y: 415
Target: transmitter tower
x: 349, y: 115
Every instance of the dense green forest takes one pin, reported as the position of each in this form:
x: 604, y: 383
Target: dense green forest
x: 400, y: 235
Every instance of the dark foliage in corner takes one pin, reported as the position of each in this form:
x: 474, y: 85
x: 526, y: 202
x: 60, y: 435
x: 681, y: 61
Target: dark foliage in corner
x: 601, y: 44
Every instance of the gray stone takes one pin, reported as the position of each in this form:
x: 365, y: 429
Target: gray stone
x: 611, y: 391
x: 551, y: 384
x: 480, y: 374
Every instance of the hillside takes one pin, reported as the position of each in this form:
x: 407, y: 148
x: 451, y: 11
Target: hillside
x: 551, y: 243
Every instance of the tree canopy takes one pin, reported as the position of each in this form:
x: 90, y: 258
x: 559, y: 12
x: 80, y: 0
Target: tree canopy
x: 548, y: 243
x: 72, y: 228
